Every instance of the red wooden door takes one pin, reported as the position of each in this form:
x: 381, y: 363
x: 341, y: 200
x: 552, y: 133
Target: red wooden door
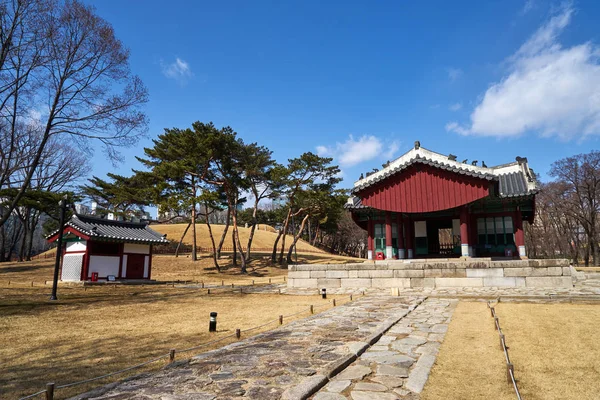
x: 135, y: 266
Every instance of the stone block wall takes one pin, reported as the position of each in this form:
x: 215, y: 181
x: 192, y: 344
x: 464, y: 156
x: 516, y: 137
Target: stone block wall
x: 433, y: 273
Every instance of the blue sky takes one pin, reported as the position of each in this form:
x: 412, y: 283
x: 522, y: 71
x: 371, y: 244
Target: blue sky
x: 361, y: 81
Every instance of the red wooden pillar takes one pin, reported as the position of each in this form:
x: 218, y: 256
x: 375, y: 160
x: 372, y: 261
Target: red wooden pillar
x: 464, y: 231
x: 370, y: 239
x: 519, y: 234
x: 389, y: 250
x: 410, y: 227
x: 400, y: 237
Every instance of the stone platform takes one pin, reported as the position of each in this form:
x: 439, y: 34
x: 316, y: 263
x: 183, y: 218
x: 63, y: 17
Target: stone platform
x: 433, y: 273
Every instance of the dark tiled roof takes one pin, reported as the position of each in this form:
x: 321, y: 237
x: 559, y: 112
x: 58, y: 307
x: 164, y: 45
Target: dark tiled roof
x: 118, y: 231
x: 434, y: 163
x: 512, y: 184
x: 354, y: 203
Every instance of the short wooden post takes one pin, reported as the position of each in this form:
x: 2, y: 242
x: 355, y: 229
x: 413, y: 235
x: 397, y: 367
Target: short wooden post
x: 281, y: 320
x: 496, y: 323
x: 171, y: 356
x: 238, y: 333
x: 312, y: 311
x: 252, y: 281
x: 232, y: 285
x: 280, y: 291
x: 202, y: 284
x: 502, y: 341
x: 492, y: 311
x: 334, y: 302
x: 50, y: 391
x: 350, y: 297
x: 284, y: 278
x: 509, y: 368
x: 269, y: 280
x: 208, y: 291
x: 31, y: 283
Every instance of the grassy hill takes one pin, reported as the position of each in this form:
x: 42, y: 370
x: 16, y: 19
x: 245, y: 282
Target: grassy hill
x: 264, y: 236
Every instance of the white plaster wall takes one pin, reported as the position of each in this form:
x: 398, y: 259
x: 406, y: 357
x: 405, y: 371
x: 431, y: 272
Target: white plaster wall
x: 104, y: 265
x: 420, y: 229
x: 124, y: 266
x: 146, y: 264
x: 136, y: 248
x: 76, y: 246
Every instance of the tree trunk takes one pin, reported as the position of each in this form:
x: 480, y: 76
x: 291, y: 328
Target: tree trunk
x: 224, y: 235
x: 252, y: 228
x: 234, y: 246
x: 194, y: 255
x: 285, y: 226
x: 293, y: 245
x: 236, y: 237
x: 34, y: 221
x: 212, y: 239
x: 181, y: 240
x: 275, y: 247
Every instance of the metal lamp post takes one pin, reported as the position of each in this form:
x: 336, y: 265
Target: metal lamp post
x: 63, y: 206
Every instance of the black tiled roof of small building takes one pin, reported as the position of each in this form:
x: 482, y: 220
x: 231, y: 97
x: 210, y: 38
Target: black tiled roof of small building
x: 513, y: 184
x: 116, y: 231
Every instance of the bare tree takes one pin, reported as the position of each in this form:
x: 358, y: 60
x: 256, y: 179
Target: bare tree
x: 62, y: 72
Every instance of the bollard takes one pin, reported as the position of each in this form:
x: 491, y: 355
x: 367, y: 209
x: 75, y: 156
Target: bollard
x: 232, y: 285
x: 509, y: 368
x: 238, y: 333
x: 502, y: 341
x: 252, y: 281
x: 496, y: 323
x: 281, y: 320
x: 350, y: 297
x: 212, y: 326
x: 31, y: 283
x: 284, y: 278
x: 202, y: 284
x: 492, y: 311
x: 279, y: 291
x: 312, y: 311
x: 222, y: 283
x: 208, y: 292
x: 269, y: 280
x: 50, y: 391
x: 334, y: 302
x: 171, y: 356
x: 324, y: 293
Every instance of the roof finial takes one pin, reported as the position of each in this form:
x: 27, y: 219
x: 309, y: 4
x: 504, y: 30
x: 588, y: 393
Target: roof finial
x: 465, y: 160
x: 417, y: 145
x: 474, y: 162
x: 483, y: 164
x: 451, y: 157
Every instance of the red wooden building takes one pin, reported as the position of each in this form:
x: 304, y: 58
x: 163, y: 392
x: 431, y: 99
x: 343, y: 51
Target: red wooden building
x: 96, y: 247
x: 426, y: 204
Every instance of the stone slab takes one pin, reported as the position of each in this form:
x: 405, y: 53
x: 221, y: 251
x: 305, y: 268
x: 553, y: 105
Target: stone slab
x: 549, y: 282
x: 458, y: 282
x: 329, y: 283
x: 390, y: 282
x: 356, y: 283
x: 500, y: 281
x: 336, y: 274
x: 485, y: 273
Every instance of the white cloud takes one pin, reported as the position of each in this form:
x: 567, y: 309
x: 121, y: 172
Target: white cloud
x: 454, y: 73
x: 179, y: 70
x: 355, y: 151
x: 528, y: 6
x: 550, y: 89
x: 455, y: 106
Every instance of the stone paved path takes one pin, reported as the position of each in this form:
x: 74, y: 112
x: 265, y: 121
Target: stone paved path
x: 398, y: 365
x: 290, y: 362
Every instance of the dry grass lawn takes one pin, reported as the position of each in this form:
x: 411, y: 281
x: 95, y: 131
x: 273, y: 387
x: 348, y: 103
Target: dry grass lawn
x: 104, y: 329
x: 555, y: 349
x: 470, y: 364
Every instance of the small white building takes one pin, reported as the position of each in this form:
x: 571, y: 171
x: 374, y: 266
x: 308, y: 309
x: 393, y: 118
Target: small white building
x: 96, y: 248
